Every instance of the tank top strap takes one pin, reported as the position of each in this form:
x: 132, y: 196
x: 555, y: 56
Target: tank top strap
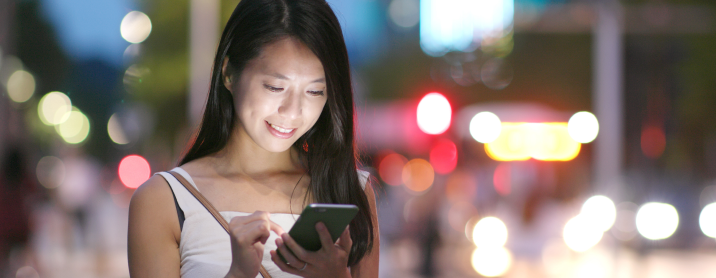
x: 363, y: 178
x: 187, y: 202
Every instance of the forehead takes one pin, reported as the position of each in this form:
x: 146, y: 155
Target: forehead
x: 289, y: 57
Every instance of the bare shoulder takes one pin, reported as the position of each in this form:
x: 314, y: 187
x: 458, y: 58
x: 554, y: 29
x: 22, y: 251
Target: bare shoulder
x: 153, y: 202
x: 153, y: 232
x: 153, y: 193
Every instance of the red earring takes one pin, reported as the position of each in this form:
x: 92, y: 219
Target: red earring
x: 305, y: 146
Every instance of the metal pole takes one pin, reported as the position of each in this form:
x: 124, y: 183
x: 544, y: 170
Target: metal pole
x: 608, y: 96
x: 203, y: 39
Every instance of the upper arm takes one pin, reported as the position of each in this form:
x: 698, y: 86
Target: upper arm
x: 153, y: 232
x: 368, y: 266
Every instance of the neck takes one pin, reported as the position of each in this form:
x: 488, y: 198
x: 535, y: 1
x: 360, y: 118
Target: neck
x: 242, y: 156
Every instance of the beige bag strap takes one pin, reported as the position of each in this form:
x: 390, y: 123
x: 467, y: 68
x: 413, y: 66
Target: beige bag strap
x: 211, y: 210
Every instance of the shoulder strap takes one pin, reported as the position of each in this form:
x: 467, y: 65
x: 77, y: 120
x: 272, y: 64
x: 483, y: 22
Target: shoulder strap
x: 211, y: 210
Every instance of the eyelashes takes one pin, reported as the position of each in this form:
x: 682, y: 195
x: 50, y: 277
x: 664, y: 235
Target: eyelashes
x: 278, y: 89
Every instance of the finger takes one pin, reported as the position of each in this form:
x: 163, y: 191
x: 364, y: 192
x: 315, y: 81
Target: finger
x: 326, y: 239
x: 345, y: 241
x: 276, y: 228
x: 297, y: 250
x: 286, y: 254
x: 283, y: 266
x: 251, y: 233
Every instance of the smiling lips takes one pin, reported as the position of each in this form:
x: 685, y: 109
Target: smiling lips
x: 280, y: 132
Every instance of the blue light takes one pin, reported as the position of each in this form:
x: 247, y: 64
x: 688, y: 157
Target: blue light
x: 461, y: 25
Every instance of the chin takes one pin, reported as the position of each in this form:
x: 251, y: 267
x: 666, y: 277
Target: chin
x: 277, y: 147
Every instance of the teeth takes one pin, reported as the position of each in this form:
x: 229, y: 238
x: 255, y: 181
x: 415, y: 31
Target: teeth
x: 280, y: 129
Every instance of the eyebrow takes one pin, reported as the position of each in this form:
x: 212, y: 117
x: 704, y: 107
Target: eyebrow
x: 283, y: 77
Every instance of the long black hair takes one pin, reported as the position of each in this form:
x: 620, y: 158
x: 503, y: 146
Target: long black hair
x: 327, y: 150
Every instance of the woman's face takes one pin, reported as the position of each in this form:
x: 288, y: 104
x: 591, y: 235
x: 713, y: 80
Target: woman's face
x: 279, y: 95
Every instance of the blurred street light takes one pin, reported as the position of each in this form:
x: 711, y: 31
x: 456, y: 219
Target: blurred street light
x: 75, y: 129
x: 20, y: 86
x: 707, y: 220
x: 434, y: 113
x: 135, y: 27
x: 54, y: 108
x: 583, y: 127
x: 580, y: 233
x: 485, y: 127
x: 115, y: 131
x: 657, y: 220
x: 601, y: 211
x: 489, y: 232
x: 133, y: 170
x: 418, y: 175
x: 491, y: 261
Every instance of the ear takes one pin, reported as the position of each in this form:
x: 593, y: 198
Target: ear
x: 225, y: 74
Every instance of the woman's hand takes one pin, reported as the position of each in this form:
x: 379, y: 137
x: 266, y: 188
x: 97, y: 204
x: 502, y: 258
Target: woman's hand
x: 329, y: 261
x: 248, y: 236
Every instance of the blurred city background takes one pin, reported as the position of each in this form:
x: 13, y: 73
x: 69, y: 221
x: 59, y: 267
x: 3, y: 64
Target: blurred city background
x: 513, y: 138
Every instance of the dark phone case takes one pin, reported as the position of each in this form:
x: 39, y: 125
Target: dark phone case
x: 335, y: 216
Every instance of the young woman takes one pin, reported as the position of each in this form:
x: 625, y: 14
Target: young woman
x: 277, y: 134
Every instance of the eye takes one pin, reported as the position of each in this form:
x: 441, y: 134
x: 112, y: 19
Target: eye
x: 272, y: 88
x: 316, y: 93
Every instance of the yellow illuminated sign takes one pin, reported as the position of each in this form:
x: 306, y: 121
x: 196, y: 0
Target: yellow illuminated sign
x: 541, y: 141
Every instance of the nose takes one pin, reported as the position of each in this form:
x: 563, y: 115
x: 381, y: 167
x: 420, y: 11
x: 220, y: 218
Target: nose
x: 291, y: 105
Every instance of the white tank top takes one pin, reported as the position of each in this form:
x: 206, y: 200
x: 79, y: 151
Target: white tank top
x: 204, y: 247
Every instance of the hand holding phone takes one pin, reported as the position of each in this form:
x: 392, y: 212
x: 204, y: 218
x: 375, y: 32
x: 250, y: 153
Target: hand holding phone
x: 335, y: 217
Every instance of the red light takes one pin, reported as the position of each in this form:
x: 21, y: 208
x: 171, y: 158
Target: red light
x: 390, y: 169
x: 653, y: 141
x: 501, y: 179
x: 434, y: 113
x: 133, y: 171
x: 443, y: 156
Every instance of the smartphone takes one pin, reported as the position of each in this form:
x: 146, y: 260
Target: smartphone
x: 336, y: 217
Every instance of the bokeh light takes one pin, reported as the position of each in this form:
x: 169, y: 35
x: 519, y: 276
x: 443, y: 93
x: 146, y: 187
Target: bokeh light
x: 50, y: 171
x: 653, y: 141
x: 502, y: 179
x: 115, y: 131
x: 418, y: 175
x: 390, y: 169
x: 54, y: 108
x: 491, y: 262
x: 135, y: 27
x: 20, y: 86
x: 489, y: 232
x: 404, y: 13
x: 541, y: 141
x: 707, y: 220
x: 600, y: 210
x: 443, y: 156
x: 133, y: 171
x: 580, y: 234
x: 485, y: 127
x: 583, y: 127
x: 434, y: 113
x: 75, y: 129
x: 657, y: 221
